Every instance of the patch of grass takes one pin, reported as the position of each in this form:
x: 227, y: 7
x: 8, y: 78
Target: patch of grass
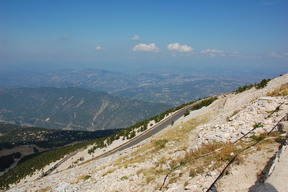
x: 195, y: 171
x: 186, y: 183
x: 124, y: 178
x: 239, y: 160
x: 271, y: 151
x: 256, y: 138
x: 45, y: 189
x: 151, y: 174
x: 206, y: 148
x: 181, y: 133
x: 84, y: 177
x: 109, y: 171
x: 174, y: 163
x: 161, y: 162
x: 149, y: 150
x: 281, y: 91
x: 234, y: 113
x: 174, y: 179
x: 257, y: 125
x: 160, y: 143
x: 148, y: 179
x: 225, y: 153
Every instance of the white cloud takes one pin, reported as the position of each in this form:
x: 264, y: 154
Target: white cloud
x: 267, y: 3
x: 234, y: 54
x: 278, y: 55
x: 213, y: 52
x: 98, y: 48
x: 136, y: 38
x: 179, y: 48
x: 64, y: 37
x: 274, y: 54
x: 146, y: 47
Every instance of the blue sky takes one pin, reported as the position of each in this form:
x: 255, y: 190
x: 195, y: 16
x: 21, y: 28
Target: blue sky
x: 115, y: 34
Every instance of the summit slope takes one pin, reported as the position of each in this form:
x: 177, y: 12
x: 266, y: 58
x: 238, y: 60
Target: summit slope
x: 189, y: 154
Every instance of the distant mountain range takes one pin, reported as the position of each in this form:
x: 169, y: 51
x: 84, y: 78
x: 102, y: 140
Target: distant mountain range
x: 72, y: 109
x: 180, y: 93
x: 170, y: 88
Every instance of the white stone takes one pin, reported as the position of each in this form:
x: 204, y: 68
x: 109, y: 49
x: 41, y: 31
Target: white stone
x: 234, y: 135
x: 244, y: 132
x: 239, y: 147
x: 226, y: 135
x: 234, y: 172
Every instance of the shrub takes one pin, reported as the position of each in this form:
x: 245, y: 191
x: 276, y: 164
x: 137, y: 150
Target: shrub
x: 257, y: 125
x: 124, y: 178
x: 244, y: 88
x: 262, y: 84
x: 84, y: 177
x: 160, y: 143
x: 204, y: 103
x: 281, y: 91
x: 256, y: 138
x: 187, y: 112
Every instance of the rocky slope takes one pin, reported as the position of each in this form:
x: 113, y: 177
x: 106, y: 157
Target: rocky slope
x: 190, y: 154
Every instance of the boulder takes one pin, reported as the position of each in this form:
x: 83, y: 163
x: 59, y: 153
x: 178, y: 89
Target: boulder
x: 244, y: 132
x: 283, y: 126
x: 226, y: 135
x: 266, y: 187
x: 234, y: 135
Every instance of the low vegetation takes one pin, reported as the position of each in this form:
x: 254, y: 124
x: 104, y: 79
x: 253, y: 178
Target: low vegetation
x: 13, y: 135
x: 195, y: 161
x: 130, y: 132
x: 40, y: 160
x: 204, y: 103
x: 260, y: 85
x: 7, y: 160
x: 281, y: 91
x: 160, y: 143
x: 35, y: 162
x: 84, y: 177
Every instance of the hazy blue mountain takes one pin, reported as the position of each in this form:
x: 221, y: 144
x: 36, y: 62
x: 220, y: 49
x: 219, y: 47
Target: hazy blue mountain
x: 72, y: 109
x: 179, y: 93
x: 166, y: 87
x: 93, y: 79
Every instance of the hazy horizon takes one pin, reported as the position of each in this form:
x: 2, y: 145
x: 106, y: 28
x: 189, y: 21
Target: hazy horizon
x: 204, y: 37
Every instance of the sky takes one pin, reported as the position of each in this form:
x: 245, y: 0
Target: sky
x: 239, y: 35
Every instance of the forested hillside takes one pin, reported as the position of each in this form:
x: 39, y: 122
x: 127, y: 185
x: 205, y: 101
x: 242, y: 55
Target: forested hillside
x: 72, y: 109
x: 13, y: 135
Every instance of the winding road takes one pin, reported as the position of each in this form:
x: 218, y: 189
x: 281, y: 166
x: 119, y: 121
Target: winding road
x: 149, y: 132
x: 134, y: 141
